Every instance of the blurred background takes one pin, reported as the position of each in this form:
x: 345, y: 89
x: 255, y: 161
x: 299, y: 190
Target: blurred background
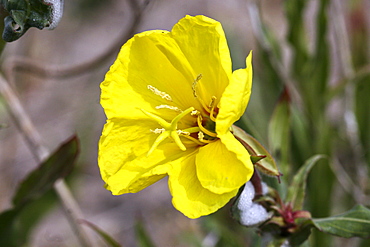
x: 312, y: 55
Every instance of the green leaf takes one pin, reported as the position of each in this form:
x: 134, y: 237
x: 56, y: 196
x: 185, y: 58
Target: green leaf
x: 353, y: 223
x: 299, y: 237
x: 266, y: 165
x: 142, y: 235
x: 362, y: 109
x: 296, y: 34
x: 16, y: 224
x: 42, y: 179
x: 296, y: 191
x: 279, y: 132
x: 7, y: 220
x: 107, y: 238
x: 24, y: 14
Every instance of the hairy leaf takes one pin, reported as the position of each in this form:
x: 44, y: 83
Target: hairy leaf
x: 353, y: 223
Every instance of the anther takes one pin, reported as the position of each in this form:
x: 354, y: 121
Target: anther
x: 212, y: 103
x: 170, y: 107
x: 200, y: 136
x: 158, y: 131
x: 181, y: 132
x: 194, y: 86
x: 163, y: 95
x: 195, y: 113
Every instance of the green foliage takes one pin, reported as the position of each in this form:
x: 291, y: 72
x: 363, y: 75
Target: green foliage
x: 42, y: 179
x: 353, y: 223
x: 24, y: 14
x: 142, y: 235
x: 267, y: 164
x: 14, y: 230
x: 362, y: 109
x: 297, y: 190
x: 105, y: 236
x: 279, y: 133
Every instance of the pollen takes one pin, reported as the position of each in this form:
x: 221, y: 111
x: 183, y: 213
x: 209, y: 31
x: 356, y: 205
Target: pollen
x: 181, y: 132
x: 163, y: 95
x: 158, y: 131
x: 194, y: 85
x: 200, y: 136
x: 170, y: 107
x: 195, y: 113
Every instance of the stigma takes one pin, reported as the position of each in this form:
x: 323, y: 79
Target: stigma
x: 168, y: 130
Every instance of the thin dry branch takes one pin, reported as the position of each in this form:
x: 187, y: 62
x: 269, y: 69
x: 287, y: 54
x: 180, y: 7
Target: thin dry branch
x: 42, y: 70
x: 33, y: 139
x: 26, y: 127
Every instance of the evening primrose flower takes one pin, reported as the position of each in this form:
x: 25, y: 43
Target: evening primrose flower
x: 170, y: 99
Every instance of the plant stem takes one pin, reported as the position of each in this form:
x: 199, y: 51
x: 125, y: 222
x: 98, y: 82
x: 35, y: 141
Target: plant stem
x: 33, y: 140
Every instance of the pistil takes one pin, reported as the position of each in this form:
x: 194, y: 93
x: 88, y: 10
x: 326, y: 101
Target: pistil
x: 169, y: 129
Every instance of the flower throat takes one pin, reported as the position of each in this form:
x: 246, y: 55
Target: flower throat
x: 201, y: 132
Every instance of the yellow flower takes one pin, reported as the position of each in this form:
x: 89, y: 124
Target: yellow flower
x: 171, y: 99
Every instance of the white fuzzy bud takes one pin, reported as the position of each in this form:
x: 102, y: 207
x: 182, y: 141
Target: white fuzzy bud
x: 57, y: 12
x: 251, y: 213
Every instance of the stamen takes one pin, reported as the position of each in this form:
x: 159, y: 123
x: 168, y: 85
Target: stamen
x: 181, y: 132
x: 168, y: 107
x: 158, y: 131
x: 200, y: 136
x: 194, y: 140
x: 195, y: 113
x: 212, y: 105
x: 207, y: 132
x: 204, y: 141
x: 163, y: 95
x: 194, y: 86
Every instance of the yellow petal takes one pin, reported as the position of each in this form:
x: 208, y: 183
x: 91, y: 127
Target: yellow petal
x: 189, y: 197
x: 235, y: 98
x: 123, y: 160
x: 203, y: 43
x: 223, y: 166
x: 153, y: 59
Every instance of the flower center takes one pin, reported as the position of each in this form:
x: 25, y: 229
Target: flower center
x: 203, y: 131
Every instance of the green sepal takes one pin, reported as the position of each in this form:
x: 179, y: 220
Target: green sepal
x: 256, y: 158
x: 266, y: 165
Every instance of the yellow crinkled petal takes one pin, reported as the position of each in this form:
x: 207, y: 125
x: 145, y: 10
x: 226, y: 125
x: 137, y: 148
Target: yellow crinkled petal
x: 123, y: 160
x: 203, y: 42
x: 153, y: 59
x: 223, y: 166
x: 235, y: 98
x: 189, y: 197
